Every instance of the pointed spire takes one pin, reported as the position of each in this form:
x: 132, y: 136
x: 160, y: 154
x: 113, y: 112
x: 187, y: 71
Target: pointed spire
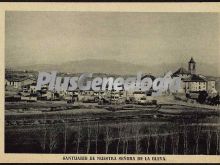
x: 192, y: 60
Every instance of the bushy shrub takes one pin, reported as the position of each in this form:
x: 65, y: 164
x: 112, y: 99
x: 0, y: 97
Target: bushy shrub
x: 202, y: 97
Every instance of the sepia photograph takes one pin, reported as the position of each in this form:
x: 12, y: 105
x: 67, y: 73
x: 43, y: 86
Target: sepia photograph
x: 105, y: 82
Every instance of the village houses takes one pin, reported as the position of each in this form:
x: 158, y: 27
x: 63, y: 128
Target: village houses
x: 192, y: 82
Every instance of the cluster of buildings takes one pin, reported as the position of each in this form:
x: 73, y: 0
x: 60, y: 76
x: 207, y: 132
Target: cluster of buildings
x: 194, y: 83
x: 191, y: 83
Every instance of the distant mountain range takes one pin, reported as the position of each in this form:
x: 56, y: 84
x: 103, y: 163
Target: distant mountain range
x: 117, y: 67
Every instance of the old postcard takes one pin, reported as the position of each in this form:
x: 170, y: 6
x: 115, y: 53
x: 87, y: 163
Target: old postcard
x: 110, y: 82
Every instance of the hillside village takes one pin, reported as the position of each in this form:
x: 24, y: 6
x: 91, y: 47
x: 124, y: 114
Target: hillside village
x: 20, y: 86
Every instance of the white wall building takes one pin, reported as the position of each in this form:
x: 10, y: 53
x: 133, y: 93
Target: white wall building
x: 192, y: 82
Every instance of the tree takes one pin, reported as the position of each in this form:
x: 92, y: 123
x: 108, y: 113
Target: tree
x: 215, y: 100
x: 202, y: 97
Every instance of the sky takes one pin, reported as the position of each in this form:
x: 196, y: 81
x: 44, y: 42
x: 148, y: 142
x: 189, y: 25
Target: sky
x: 139, y: 38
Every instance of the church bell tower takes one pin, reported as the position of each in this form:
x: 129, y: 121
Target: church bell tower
x: 192, y: 66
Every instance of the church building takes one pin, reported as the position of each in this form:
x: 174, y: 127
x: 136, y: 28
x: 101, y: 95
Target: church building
x: 192, y: 82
